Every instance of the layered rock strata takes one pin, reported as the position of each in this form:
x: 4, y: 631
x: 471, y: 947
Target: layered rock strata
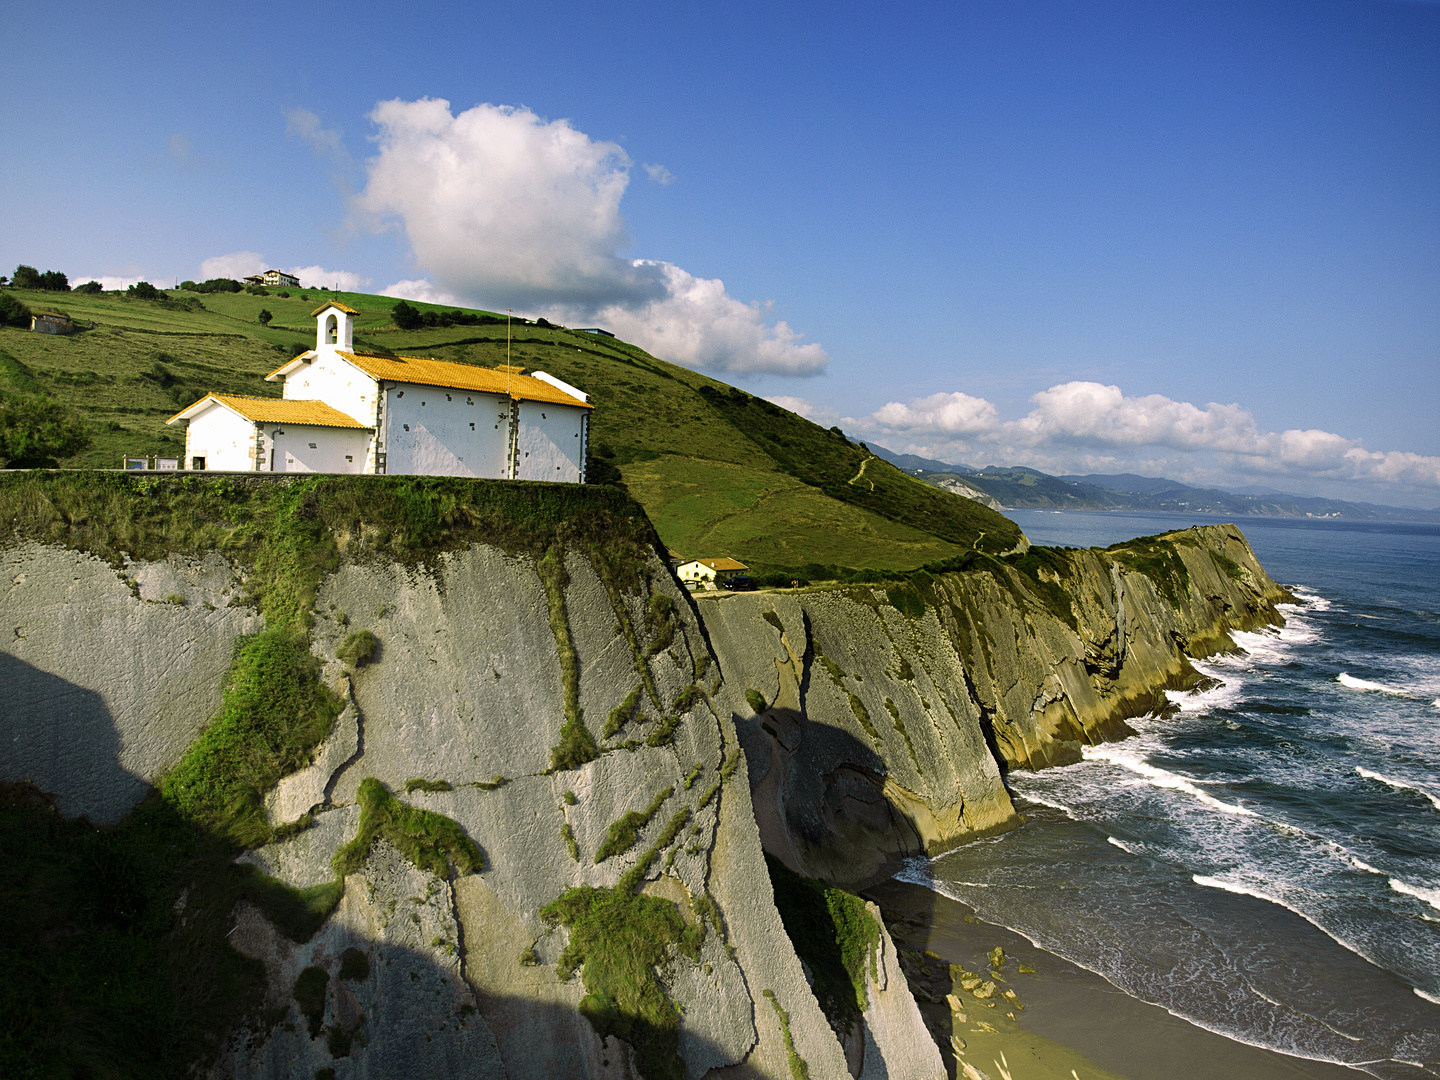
x: 870, y: 709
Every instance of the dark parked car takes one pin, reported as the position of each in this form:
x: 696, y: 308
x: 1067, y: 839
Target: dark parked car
x: 739, y: 583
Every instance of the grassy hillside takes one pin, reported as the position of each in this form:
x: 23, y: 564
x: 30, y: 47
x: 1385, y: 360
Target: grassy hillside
x: 719, y: 472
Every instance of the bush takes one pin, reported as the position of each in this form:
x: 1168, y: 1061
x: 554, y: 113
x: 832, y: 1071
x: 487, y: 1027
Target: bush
x: 143, y: 290
x: 265, y: 317
x: 407, y: 316
x: 257, y: 290
x: 13, y: 312
x: 34, y: 431
x: 213, y: 285
x: 90, y: 288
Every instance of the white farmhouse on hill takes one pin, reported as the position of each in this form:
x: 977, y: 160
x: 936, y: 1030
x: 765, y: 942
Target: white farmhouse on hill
x: 710, y: 570
x: 352, y: 412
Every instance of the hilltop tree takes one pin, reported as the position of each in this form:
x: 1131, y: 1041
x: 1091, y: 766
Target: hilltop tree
x: 407, y: 316
x: 27, y: 277
x: 34, y: 431
x: 265, y: 317
x: 143, y: 290
x: 90, y: 287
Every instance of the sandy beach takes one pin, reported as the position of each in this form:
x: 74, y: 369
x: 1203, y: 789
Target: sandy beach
x: 1064, y: 1023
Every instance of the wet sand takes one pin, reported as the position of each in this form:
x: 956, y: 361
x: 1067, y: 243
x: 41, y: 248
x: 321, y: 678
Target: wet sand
x: 1074, y: 1023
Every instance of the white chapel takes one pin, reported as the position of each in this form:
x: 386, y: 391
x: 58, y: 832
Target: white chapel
x: 353, y: 412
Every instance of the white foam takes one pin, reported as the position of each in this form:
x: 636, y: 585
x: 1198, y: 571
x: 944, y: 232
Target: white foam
x: 1161, y: 778
x: 1428, y: 997
x: 1360, y: 865
x: 1399, y: 784
x: 1032, y: 797
x: 1430, y: 896
x: 1436, y: 703
x: 1121, y: 845
x: 1353, y: 683
x: 1245, y: 890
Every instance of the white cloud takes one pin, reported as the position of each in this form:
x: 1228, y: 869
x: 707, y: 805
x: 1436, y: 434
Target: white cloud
x: 509, y: 210
x: 238, y: 265
x: 312, y: 277
x: 697, y: 323
x: 661, y: 175
x: 241, y: 264
x: 110, y: 281
x: 418, y: 289
x: 1091, y: 427
x: 306, y: 126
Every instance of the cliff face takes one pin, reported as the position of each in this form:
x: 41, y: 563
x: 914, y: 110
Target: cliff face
x: 516, y: 838
x: 616, y: 917
x: 870, y: 743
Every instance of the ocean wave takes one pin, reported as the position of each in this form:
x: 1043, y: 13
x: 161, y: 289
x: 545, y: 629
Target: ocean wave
x: 1161, y: 778
x: 1121, y: 845
x: 1309, y: 599
x: 1259, y: 894
x: 1402, y: 785
x: 1032, y: 797
x: 1348, y: 680
x: 1430, y: 896
x: 1428, y: 997
x: 1362, y: 865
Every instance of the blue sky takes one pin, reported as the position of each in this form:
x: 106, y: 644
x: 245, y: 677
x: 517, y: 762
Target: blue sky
x: 1032, y: 233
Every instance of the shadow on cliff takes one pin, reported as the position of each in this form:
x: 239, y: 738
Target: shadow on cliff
x: 821, y: 802
x: 62, y: 738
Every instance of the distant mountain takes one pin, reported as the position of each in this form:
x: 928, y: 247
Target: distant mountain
x: 1141, y: 485
x: 1018, y: 487
x: 915, y: 465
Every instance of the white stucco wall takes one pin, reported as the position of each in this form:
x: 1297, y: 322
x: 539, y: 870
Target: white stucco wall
x: 337, y: 382
x: 436, y: 432
x: 310, y: 448
x: 222, y: 438
x: 551, y: 442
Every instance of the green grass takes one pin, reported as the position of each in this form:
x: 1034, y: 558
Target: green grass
x: 625, y: 830
x: 620, y: 941
x: 431, y: 841
x: 358, y: 648
x: 419, y: 783
x: 621, y: 714
x: 273, y: 714
x: 798, y: 1069
x: 756, y: 701
x: 834, y: 934
x: 719, y: 472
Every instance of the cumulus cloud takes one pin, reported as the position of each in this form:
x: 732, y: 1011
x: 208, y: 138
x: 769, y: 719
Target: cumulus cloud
x: 238, y: 264
x: 312, y: 277
x: 418, y: 289
x: 1087, y: 426
x: 108, y: 281
x: 241, y: 264
x: 510, y: 210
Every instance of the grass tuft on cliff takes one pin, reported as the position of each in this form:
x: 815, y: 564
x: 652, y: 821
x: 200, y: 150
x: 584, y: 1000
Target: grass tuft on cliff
x: 273, y: 714
x: 834, y: 934
x: 430, y: 841
x: 620, y: 941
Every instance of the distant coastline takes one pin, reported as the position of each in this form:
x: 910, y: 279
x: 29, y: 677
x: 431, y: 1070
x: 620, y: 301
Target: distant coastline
x: 1021, y: 488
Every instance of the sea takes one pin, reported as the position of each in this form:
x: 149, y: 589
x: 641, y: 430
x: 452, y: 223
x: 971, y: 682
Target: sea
x: 1265, y: 862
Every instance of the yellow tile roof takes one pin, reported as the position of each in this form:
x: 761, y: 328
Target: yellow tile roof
x: 337, y: 304
x: 453, y: 376
x: 279, y: 411
x: 722, y: 564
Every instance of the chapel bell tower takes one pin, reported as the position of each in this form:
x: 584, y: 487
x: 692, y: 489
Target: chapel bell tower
x: 334, y: 327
